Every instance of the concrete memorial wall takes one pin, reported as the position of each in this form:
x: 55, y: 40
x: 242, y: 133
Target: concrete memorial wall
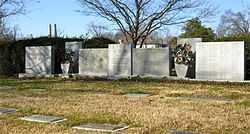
x: 220, y: 61
x: 119, y: 63
x: 38, y: 60
x: 151, y: 62
x: 118, y: 58
x: 93, y: 62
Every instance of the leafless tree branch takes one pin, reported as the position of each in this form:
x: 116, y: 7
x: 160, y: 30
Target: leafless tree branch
x: 234, y: 23
x: 137, y: 19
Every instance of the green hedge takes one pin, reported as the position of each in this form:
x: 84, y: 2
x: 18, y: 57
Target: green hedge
x: 98, y: 42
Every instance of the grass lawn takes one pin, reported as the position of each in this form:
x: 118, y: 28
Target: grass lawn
x: 88, y: 101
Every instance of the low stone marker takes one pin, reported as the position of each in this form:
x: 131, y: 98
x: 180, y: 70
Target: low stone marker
x: 101, y: 127
x: 37, y: 90
x: 43, y: 119
x: 137, y: 94
x: 204, y: 99
x: 181, y: 132
x: 7, y: 111
x: 5, y: 87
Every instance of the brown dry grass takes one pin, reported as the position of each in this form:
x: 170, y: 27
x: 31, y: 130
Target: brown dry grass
x: 102, y: 102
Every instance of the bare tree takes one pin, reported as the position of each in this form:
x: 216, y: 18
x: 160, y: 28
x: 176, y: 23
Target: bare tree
x: 97, y: 30
x: 8, y: 33
x: 234, y: 23
x: 9, y: 8
x: 137, y: 19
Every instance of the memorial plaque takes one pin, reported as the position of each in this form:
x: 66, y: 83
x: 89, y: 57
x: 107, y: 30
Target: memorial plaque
x: 43, y: 119
x: 102, y: 127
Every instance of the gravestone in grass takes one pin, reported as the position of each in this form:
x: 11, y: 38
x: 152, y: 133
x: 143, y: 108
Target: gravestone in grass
x: 137, y: 94
x: 37, y: 90
x: 43, y: 119
x: 7, y: 111
x: 5, y: 87
x: 205, y: 99
x: 102, y: 127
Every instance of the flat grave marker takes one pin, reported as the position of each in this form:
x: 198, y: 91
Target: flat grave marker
x: 138, y: 94
x: 43, y: 119
x: 204, y: 99
x: 37, y: 90
x: 7, y: 111
x: 5, y: 87
x: 101, y: 127
x: 181, y: 132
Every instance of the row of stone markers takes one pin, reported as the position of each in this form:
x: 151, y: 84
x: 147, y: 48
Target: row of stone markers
x: 87, y: 126
x: 54, y: 119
